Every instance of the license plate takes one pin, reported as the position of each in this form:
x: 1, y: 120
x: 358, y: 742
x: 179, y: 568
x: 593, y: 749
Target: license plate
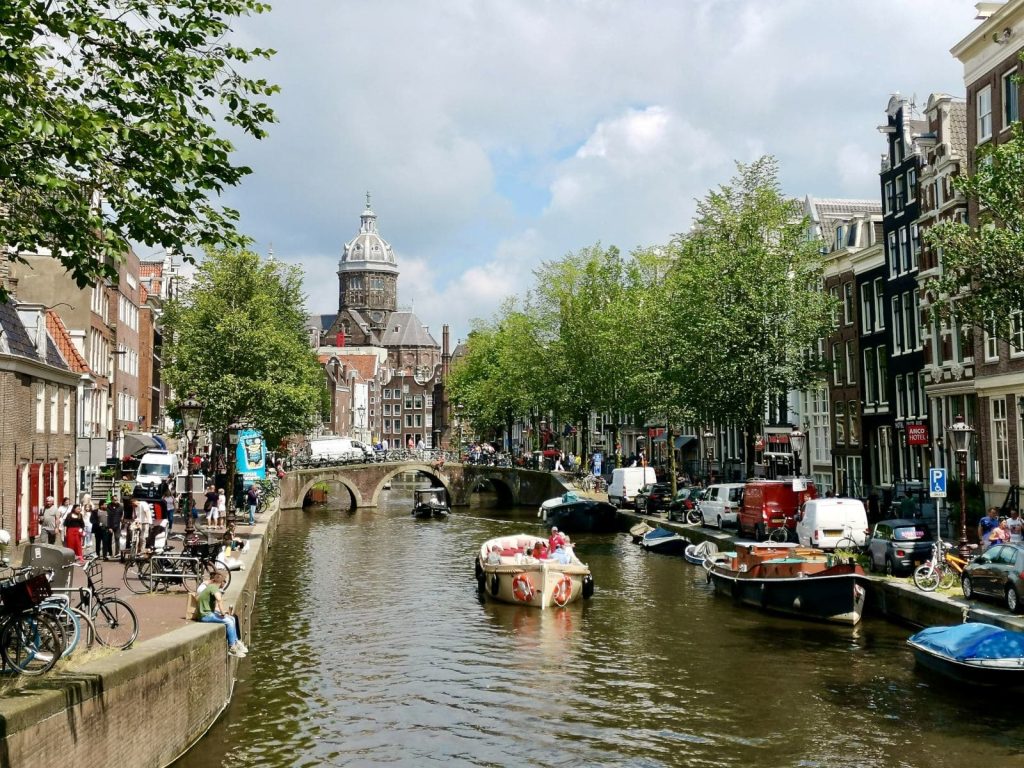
x: 778, y: 520
x: 830, y: 532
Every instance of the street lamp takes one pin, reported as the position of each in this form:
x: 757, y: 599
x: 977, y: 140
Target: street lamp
x: 708, y: 439
x: 191, y: 411
x: 797, y: 441
x: 458, y: 418
x: 361, y: 412
x: 960, y: 435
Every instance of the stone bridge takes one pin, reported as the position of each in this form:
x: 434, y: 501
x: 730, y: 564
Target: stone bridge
x: 364, y: 482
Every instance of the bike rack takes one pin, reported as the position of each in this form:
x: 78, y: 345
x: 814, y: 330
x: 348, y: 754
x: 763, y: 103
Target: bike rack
x: 173, y: 574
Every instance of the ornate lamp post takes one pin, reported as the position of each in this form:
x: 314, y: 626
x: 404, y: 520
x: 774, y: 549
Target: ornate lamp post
x: 797, y: 442
x: 708, y: 440
x: 458, y: 418
x: 960, y: 435
x: 361, y: 414
x: 191, y: 411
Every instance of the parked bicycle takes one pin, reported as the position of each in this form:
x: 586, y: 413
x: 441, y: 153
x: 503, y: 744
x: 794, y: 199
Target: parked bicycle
x: 110, y: 620
x: 31, y: 641
x: 943, y: 570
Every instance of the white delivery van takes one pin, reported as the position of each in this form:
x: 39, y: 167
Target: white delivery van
x: 155, y: 467
x: 626, y: 482
x: 335, y: 450
x: 823, y: 522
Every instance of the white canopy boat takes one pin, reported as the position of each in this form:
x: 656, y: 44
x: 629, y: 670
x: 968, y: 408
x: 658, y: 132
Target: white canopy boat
x: 507, y: 570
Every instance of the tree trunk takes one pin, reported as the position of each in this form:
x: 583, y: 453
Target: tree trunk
x: 671, y: 448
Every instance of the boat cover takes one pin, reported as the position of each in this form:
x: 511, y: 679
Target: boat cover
x: 972, y: 641
x: 569, y: 498
x: 660, y: 533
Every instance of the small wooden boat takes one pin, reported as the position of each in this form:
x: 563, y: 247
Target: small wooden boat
x: 507, y: 571
x: 640, y: 530
x: 791, y: 580
x: 578, y: 514
x: 698, y: 553
x: 664, y: 541
x: 975, y: 653
x: 430, y: 502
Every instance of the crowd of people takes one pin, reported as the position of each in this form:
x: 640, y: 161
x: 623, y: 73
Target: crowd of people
x: 992, y: 530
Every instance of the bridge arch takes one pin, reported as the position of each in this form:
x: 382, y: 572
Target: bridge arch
x: 437, y: 478
x: 334, y: 477
x: 502, y: 485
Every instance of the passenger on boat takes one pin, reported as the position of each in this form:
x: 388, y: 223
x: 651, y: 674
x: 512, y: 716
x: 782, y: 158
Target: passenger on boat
x: 494, y: 556
x: 563, y: 554
x: 540, y: 551
x: 555, y: 540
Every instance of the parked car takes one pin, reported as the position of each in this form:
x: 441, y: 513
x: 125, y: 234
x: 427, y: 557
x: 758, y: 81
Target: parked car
x: 899, y: 545
x: 653, y: 497
x: 997, y: 573
x: 770, y: 504
x: 721, y: 504
x: 685, y: 501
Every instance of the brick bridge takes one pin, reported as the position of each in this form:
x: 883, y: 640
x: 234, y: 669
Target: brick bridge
x: 514, y: 486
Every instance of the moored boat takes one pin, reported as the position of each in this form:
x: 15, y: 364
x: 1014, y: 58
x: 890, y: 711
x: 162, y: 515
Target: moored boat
x: 578, y: 514
x: 698, y: 553
x: 640, y: 530
x: 664, y: 541
x: 975, y: 653
x: 430, y: 502
x: 792, y: 580
x: 507, y: 571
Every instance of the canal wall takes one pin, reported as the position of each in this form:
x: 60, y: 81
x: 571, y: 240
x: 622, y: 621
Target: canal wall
x: 143, y: 707
x: 898, y: 600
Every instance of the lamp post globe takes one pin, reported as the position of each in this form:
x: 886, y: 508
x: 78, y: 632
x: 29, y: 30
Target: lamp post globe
x: 960, y: 434
x: 797, y: 443
x: 707, y: 439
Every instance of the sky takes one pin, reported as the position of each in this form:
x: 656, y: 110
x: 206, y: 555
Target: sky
x: 494, y: 135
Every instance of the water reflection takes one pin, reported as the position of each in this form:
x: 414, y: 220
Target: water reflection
x: 372, y: 646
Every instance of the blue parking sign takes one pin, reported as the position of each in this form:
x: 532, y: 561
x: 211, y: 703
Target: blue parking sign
x: 937, y: 483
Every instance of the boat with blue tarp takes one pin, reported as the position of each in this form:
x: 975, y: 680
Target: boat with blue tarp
x: 975, y: 653
x: 664, y: 541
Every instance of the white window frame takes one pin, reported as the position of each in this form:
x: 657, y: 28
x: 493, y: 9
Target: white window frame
x: 879, y: 304
x: 848, y: 303
x: 851, y: 364
x: 894, y: 255
x: 1016, y: 334
x: 1000, y: 441
x: 991, y: 344
x: 882, y: 369
x: 866, y: 315
x: 1009, y: 87
x: 983, y: 113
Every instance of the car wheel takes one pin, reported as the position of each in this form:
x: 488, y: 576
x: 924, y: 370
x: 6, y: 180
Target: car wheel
x: 1012, y: 599
x: 890, y: 567
x: 719, y: 522
x: 872, y: 568
x: 967, y: 587
x: 759, y: 534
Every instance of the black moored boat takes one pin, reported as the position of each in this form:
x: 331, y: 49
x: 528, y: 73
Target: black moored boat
x: 575, y: 514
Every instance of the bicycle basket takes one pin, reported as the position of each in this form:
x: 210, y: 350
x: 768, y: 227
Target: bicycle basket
x: 25, y: 594
x: 94, y: 574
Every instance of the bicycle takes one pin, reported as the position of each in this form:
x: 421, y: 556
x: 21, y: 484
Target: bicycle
x: 847, y: 543
x: 778, y: 535
x: 31, y: 642
x: 940, y: 571
x: 110, y: 620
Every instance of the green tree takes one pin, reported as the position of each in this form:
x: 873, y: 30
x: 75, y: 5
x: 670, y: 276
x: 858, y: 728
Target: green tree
x: 236, y: 338
x: 983, y: 266
x: 746, y: 298
x: 109, y: 116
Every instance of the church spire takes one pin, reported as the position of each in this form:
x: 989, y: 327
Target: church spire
x: 368, y: 219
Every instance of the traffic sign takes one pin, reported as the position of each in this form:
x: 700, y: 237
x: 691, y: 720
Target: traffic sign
x: 937, y: 483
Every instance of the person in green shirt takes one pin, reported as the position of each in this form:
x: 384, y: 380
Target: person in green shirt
x: 908, y: 506
x: 211, y: 611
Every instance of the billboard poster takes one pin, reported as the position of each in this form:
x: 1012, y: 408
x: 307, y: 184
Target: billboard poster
x: 598, y: 460
x: 251, y: 456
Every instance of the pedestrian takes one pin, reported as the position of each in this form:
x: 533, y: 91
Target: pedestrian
x: 74, y: 531
x: 86, y: 502
x: 98, y: 522
x: 128, y: 525
x: 211, y: 610
x: 112, y: 542
x: 142, y: 523
x: 252, y: 500
x: 222, y: 507
x: 1014, y: 525
x: 168, y: 498
x: 986, y: 525
x: 64, y: 508
x: 908, y: 506
x: 999, y: 535
x: 49, y: 521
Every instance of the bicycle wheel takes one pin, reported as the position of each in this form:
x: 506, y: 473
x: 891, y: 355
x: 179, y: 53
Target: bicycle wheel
x: 192, y: 574
x: 778, y: 535
x: 116, y: 624
x: 948, y: 578
x: 211, y: 567
x: 88, y: 629
x: 693, y: 516
x: 65, y: 616
x: 847, y: 545
x: 926, y: 577
x: 31, y: 643
x: 137, y: 576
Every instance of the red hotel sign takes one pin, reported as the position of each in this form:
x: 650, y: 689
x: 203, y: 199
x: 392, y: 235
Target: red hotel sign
x: 917, y: 434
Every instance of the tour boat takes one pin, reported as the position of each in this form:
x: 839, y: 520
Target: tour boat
x: 664, y: 541
x: 430, y: 502
x: 640, y: 530
x: 578, y: 514
x: 507, y: 571
x: 975, y: 653
x: 793, y: 580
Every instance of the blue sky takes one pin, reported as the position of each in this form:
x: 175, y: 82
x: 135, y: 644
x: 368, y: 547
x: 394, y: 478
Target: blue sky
x: 495, y: 134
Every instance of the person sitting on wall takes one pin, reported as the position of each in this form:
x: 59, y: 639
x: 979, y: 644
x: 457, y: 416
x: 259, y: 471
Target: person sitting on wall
x: 211, y: 611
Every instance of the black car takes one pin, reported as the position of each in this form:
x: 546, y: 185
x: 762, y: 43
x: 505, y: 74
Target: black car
x: 997, y: 573
x: 653, y: 497
x: 898, y: 546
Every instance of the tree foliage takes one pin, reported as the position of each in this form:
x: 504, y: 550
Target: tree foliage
x: 236, y: 338
x: 983, y: 266
x: 109, y: 116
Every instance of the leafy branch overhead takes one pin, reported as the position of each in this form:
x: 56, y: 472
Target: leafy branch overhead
x: 109, y: 126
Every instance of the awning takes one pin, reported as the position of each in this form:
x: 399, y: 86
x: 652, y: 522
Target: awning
x: 684, y: 440
x: 137, y: 443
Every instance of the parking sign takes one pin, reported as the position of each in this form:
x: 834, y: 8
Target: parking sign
x: 937, y: 483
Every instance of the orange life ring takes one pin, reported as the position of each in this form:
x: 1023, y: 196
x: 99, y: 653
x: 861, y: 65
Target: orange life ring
x: 563, y: 591
x: 522, y: 588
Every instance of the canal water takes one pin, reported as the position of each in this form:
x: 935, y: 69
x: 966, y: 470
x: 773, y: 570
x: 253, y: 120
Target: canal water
x: 372, y: 647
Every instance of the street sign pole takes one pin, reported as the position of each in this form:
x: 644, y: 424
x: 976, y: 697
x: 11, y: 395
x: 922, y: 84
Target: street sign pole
x: 937, y: 490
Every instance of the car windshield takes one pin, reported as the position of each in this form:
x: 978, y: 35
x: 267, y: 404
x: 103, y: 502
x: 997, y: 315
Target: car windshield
x: 159, y: 470
x: 910, y: 533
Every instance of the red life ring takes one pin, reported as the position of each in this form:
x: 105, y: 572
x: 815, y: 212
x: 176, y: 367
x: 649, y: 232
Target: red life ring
x: 522, y: 588
x: 563, y: 591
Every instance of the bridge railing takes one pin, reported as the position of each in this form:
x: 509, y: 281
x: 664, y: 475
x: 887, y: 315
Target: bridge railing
x: 431, y: 456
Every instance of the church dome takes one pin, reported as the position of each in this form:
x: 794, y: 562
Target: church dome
x: 368, y: 250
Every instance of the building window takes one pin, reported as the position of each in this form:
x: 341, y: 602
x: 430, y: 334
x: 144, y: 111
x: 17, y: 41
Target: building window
x: 1000, y: 445
x: 901, y: 398
x: 910, y: 314
x: 387, y: 409
x: 854, y: 436
x: 870, y: 377
x: 991, y: 343
x: 851, y: 363
x: 833, y: 292
x: 911, y: 185
x: 1011, y: 100
x: 900, y: 200
x: 848, y: 303
x: 890, y: 197
x: 883, y: 373
x: 1016, y: 334
x: 905, y: 249
x: 68, y: 396
x: 913, y: 396
x: 408, y: 402
x: 417, y: 403
x: 894, y: 255
x: 866, y: 312
x: 984, y: 113
x: 837, y: 366
x: 897, y: 327
x: 915, y: 245
x: 40, y: 407
x: 884, y: 455
x: 840, y: 422
x: 408, y: 419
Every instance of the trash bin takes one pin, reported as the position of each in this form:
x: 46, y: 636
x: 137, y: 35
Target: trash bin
x: 51, y: 556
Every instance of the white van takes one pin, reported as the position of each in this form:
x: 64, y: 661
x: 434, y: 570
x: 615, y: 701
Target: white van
x: 335, y: 449
x: 721, y: 504
x: 156, y: 467
x: 626, y: 482
x: 823, y: 522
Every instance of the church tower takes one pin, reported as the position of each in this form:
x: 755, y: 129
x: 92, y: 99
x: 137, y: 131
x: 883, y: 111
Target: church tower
x: 368, y: 275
